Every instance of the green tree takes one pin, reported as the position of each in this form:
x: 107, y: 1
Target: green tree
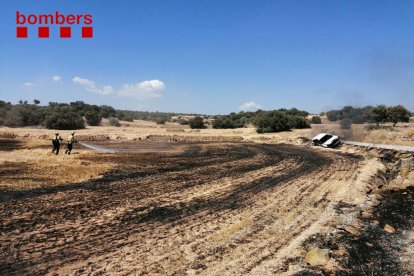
x: 294, y: 112
x: 379, y: 114
x: 332, y: 115
x: 297, y: 121
x: 93, y: 118
x: 107, y: 111
x: 273, y: 121
x: 64, y: 117
x: 398, y: 114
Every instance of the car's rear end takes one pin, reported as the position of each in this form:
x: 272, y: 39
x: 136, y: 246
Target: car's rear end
x: 332, y: 142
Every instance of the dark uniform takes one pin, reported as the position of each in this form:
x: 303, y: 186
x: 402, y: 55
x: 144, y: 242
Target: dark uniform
x: 70, y: 141
x: 56, y: 143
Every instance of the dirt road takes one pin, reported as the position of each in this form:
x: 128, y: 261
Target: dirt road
x: 380, y: 146
x: 214, y: 209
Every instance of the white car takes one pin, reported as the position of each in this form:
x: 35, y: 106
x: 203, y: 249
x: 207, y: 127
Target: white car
x: 326, y: 140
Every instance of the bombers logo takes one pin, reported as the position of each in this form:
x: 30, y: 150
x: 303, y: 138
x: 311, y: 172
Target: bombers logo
x: 64, y: 22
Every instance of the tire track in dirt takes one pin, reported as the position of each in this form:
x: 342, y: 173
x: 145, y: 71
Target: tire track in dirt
x: 175, y: 213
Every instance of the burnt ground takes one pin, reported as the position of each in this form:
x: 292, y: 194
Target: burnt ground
x: 216, y: 208
x: 9, y: 144
x: 375, y: 251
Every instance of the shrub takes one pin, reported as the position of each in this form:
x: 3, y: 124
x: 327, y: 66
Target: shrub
x: 128, y: 118
x: 113, y: 121
x: 183, y: 122
x: 93, y: 118
x: 297, y: 121
x: 233, y: 120
x: 22, y: 115
x: 107, y: 111
x: 273, y: 121
x: 294, y: 112
x: 332, y: 115
x: 13, y: 118
x: 160, y: 121
x: 196, y: 122
x: 223, y: 123
x: 64, y: 118
x: 316, y: 120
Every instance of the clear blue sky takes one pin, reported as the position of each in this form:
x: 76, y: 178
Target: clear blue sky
x: 213, y: 56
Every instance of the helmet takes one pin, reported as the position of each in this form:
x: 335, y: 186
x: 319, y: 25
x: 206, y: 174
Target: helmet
x: 73, y: 132
x: 57, y: 133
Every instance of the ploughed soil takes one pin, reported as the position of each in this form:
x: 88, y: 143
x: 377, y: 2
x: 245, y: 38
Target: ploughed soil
x: 206, y: 208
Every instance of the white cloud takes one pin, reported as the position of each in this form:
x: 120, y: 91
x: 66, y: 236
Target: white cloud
x: 151, y: 85
x: 91, y: 87
x: 145, y: 89
x: 29, y: 85
x: 56, y: 78
x: 142, y: 90
x: 84, y: 82
x: 250, y: 106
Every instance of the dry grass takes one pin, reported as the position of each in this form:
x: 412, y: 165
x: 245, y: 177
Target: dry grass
x: 397, y: 136
x: 37, y: 167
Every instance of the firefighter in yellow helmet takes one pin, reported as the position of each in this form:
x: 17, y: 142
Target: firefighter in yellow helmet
x: 71, y: 139
x: 56, y: 139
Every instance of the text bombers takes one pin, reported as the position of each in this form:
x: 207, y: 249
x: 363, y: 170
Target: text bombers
x: 56, y: 18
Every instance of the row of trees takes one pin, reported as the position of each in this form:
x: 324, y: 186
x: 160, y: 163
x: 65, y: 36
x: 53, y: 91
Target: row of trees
x: 370, y: 114
x: 265, y: 121
x: 54, y: 116
x: 70, y: 116
x: 76, y: 114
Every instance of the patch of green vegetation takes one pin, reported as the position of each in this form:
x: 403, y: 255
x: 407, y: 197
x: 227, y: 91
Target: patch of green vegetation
x: 265, y: 121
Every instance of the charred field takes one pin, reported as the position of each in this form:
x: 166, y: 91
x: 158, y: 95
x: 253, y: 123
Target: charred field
x: 210, y: 208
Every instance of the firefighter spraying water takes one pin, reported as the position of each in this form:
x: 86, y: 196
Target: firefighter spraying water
x: 57, y: 140
x: 56, y: 143
x: 70, y: 141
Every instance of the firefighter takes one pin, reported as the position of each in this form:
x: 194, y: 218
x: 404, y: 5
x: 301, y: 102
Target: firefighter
x: 56, y: 143
x: 71, y: 139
